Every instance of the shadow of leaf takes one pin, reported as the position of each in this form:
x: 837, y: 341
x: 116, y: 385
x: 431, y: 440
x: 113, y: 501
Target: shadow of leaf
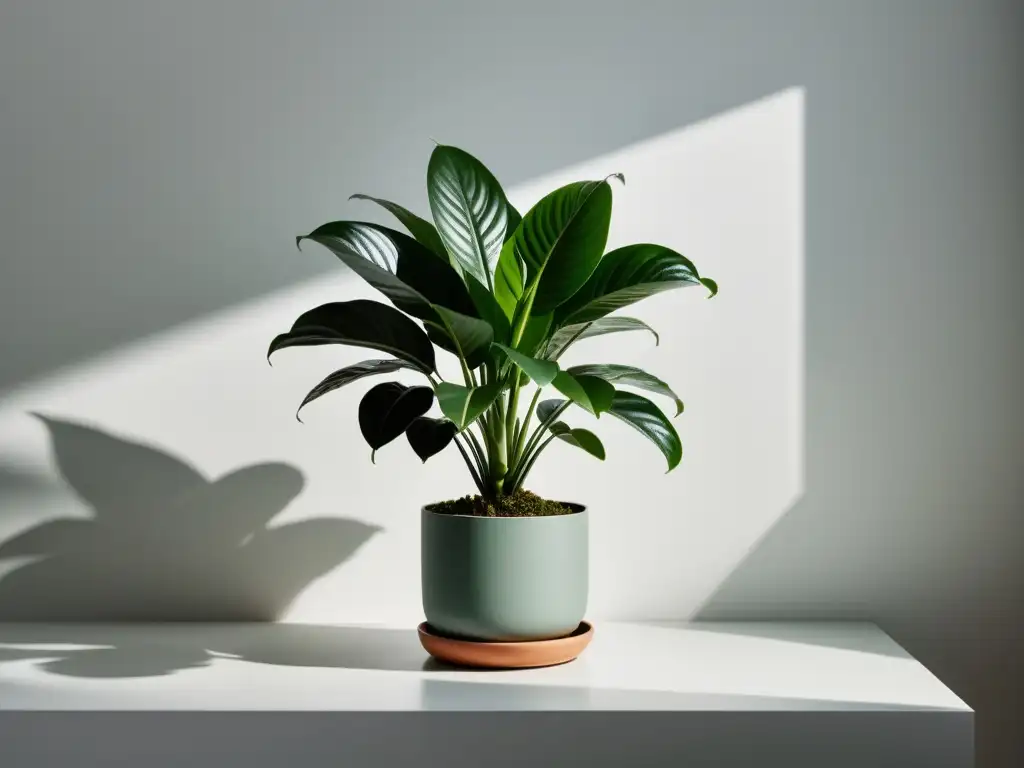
x: 163, y: 543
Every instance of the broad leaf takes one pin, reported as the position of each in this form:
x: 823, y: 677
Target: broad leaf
x: 470, y: 337
x: 388, y: 409
x: 581, y: 438
x: 361, y: 323
x: 546, y: 408
x: 513, y: 219
x: 508, y: 278
x: 488, y: 309
x: 421, y: 229
x: 561, y: 239
x: 647, y: 419
x: 429, y: 436
x: 414, y: 278
x: 568, y: 335
x: 628, y: 376
x: 542, y: 372
x: 352, y: 373
x: 469, y: 209
x: 589, y: 392
x: 627, y: 275
x: 535, y: 334
x: 463, y: 405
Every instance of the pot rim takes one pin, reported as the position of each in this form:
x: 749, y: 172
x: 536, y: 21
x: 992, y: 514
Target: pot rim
x: 577, y: 509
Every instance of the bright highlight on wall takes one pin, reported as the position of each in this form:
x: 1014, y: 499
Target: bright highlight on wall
x: 192, y: 426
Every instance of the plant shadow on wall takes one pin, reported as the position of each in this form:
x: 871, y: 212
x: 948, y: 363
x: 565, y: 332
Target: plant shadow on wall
x: 164, y: 543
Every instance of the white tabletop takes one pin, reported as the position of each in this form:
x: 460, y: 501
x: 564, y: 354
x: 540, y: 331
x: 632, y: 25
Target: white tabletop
x: 628, y: 666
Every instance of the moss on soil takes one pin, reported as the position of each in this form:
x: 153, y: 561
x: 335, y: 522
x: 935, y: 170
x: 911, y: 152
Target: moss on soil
x: 518, y: 504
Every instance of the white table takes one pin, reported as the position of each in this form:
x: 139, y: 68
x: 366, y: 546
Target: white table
x: 823, y: 695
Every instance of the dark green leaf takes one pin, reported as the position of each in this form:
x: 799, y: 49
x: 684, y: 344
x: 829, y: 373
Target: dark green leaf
x: 471, y: 338
x: 414, y: 278
x: 589, y: 392
x: 561, y: 239
x: 429, y: 436
x: 627, y: 375
x: 535, y: 334
x: 418, y: 227
x: 645, y: 417
x: 568, y: 335
x: 627, y: 275
x: 711, y: 285
x: 581, y: 438
x: 542, y: 372
x: 546, y: 408
x: 388, y: 409
x: 463, y: 405
x: 488, y: 309
x: 469, y: 209
x: 361, y: 323
x: 352, y: 373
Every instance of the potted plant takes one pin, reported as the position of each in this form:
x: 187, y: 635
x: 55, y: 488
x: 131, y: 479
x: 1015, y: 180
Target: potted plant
x: 505, y: 295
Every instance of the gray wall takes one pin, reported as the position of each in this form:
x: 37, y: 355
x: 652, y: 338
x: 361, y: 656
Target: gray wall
x: 146, y: 149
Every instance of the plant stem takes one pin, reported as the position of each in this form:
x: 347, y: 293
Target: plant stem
x: 469, y: 465
x: 521, y: 476
x: 510, y: 418
x: 524, y: 465
x: 520, y: 443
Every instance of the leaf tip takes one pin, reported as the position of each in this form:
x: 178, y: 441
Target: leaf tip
x: 298, y: 242
x: 711, y: 285
x: 620, y: 176
x: 373, y: 456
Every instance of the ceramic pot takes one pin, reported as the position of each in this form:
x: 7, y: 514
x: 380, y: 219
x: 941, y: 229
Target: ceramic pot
x: 504, y: 578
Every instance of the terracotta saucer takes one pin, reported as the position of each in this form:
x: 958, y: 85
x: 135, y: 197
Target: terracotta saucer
x: 512, y: 655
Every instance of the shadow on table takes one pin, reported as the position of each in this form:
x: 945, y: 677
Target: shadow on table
x: 161, y: 542
x: 847, y: 636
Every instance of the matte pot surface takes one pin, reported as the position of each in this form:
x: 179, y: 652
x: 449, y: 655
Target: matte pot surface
x: 504, y: 578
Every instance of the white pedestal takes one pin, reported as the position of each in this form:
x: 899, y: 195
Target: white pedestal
x: 197, y: 695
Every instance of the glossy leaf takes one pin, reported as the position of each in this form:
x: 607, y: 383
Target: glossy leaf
x: 488, y: 309
x: 463, y: 405
x: 421, y: 229
x: 513, y: 220
x: 471, y: 337
x: 361, y: 323
x: 589, y: 392
x: 628, y: 376
x: 535, y: 335
x: 414, y: 278
x: 647, y: 419
x: 469, y: 209
x: 508, y: 279
x: 388, y: 409
x: 561, y: 239
x: 429, y: 436
x: 627, y: 275
x: 352, y: 373
x: 581, y: 438
x: 542, y: 372
x: 545, y: 408
x: 568, y: 335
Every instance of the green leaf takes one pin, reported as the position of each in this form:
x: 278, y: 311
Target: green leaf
x: 589, y: 392
x: 469, y: 209
x: 627, y: 375
x: 415, y: 279
x: 535, y: 334
x: 581, y: 438
x: 470, y: 337
x: 388, y: 409
x: 488, y: 309
x: 463, y: 405
x: 429, y: 436
x: 513, y: 220
x: 627, y: 275
x: 545, y: 408
x: 543, y: 372
x: 361, y: 323
x: 647, y: 419
x: 561, y: 239
x: 508, y: 278
x: 352, y: 373
x: 421, y: 229
x: 568, y: 335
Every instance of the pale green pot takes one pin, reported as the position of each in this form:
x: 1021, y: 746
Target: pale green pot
x: 504, y: 578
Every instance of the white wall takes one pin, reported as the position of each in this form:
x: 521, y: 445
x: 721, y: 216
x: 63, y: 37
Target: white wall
x: 727, y: 192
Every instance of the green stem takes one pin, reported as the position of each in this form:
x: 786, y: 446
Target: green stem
x: 521, y: 477
x: 526, y: 462
x: 517, y: 453
x: 469, y: 465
